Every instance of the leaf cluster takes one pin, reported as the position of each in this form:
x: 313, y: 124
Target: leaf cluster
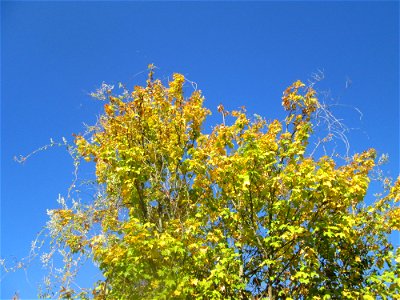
x: 243, y: 212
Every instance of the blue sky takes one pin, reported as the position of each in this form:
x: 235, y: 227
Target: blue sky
x: 239, y: 53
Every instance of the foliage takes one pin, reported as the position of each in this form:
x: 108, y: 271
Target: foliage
x: 242, y: 212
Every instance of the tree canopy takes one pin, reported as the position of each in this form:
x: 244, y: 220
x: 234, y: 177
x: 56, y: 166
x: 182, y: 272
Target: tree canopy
x: 246, y: 211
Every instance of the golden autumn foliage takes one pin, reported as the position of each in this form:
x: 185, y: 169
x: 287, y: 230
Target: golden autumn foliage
x: 244, y: 212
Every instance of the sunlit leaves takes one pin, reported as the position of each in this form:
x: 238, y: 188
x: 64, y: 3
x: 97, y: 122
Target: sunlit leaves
x: 241, y: 212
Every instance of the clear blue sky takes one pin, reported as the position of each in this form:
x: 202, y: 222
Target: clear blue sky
x: 240, y: 53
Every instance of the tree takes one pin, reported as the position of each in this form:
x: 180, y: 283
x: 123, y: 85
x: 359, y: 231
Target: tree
x: 245, y: 212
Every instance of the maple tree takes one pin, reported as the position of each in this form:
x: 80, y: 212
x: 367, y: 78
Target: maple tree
x: 244, y: 212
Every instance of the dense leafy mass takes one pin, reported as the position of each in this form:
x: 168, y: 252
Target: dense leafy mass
x: 244, y: 212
